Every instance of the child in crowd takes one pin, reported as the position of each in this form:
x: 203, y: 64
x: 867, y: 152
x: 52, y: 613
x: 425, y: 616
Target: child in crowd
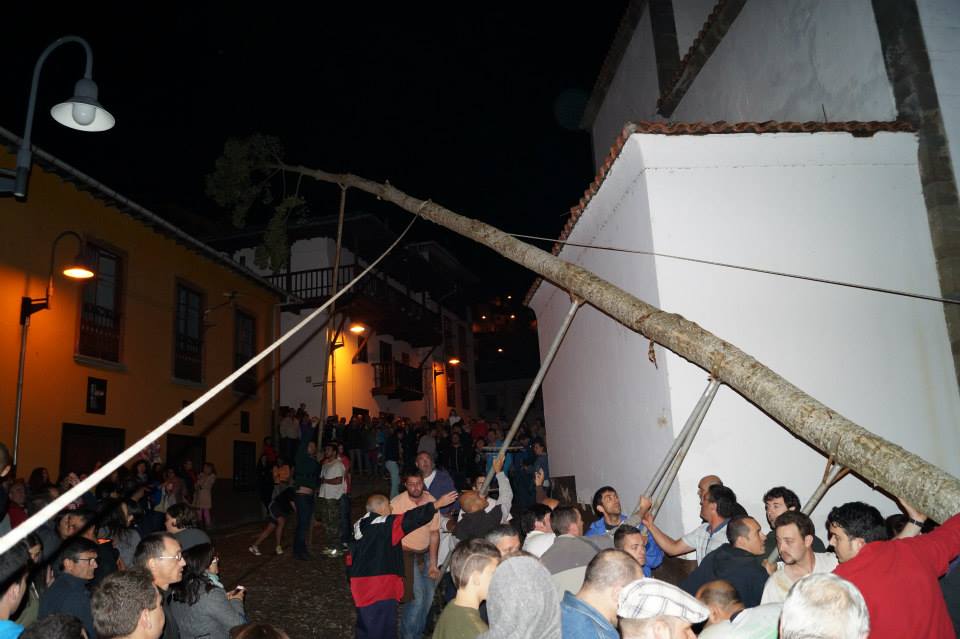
x: 471, y: 566
x: 203, y: 501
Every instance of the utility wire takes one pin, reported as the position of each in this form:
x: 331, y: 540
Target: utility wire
x: 808, y: 278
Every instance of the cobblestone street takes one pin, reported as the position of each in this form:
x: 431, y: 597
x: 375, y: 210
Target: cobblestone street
x: 305, y: 598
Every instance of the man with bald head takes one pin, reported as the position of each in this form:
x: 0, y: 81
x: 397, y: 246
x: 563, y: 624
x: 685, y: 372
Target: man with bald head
x: 376, y: 566
x: 479, y: 515
x: 728, y: 616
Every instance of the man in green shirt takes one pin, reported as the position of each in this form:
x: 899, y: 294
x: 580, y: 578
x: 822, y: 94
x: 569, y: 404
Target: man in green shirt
x: 471, y: 566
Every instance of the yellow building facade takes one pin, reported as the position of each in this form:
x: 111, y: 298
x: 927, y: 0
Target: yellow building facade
x: 165, y: 319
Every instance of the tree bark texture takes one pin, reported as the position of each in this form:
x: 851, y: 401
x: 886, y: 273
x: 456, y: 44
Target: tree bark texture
x: 878, y: 461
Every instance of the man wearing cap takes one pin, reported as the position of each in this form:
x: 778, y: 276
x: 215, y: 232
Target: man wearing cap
x: 593, y: 611
x: 650, y: 608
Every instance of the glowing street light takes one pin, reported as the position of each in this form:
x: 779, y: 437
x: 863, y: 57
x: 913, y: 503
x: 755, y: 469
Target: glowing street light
x: 357, y: 329
x: 453, y: 361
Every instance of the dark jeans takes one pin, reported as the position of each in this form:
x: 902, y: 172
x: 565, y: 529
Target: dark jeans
x: 378, y: 620
x: 305, y: 505
x: 346, y: 529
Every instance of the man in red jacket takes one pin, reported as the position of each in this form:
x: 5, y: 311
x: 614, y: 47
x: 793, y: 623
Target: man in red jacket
x: 898, y: 578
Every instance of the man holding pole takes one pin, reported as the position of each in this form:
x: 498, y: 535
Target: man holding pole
x: 606, y: 503
x: 717, y: 505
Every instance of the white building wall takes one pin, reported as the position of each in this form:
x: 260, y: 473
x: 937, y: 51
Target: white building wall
x: 790, y: 60
x: 787, y: 60
x: 302, y: 356
x: 816, y: 202
x: 940, y: 20
x: 632, y: 94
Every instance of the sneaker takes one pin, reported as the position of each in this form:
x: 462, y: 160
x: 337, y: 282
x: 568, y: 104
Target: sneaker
x: 279, y: 550
x: 254, y: 550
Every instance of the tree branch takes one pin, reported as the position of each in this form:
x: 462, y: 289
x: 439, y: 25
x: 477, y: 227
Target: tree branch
x: 880, y: 462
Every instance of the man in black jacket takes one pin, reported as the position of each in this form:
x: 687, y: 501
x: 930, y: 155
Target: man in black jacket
x: 735, y: 562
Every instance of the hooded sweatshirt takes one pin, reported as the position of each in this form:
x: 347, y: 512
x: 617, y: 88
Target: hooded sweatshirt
x: 732, y: 564
x: 522, y: 602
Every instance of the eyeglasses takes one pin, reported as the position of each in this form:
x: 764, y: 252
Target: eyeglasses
x: 79, y: 559
x: 177, y: 557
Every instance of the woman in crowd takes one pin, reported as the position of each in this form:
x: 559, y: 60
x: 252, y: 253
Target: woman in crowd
x: 199, y: 603
x: 203, y: 500
x: 17, y: 506
x: 180, y: 521
x: 39, y: 480
x: 116, y: 525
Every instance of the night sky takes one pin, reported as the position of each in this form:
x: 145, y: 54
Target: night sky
x: 478, y: 111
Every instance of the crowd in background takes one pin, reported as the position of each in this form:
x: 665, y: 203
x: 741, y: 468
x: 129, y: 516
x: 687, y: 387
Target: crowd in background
x: 130, y: 558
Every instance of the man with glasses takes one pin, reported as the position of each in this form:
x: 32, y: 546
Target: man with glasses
x: 159, y: 554
x: 69, y: 594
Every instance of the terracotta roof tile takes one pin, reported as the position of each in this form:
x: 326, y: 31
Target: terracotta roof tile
x: 717, y: 8
x: 857, y: 129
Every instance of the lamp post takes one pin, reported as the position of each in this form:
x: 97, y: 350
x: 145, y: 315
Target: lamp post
x: 78, y: 269
x: 81, y: 112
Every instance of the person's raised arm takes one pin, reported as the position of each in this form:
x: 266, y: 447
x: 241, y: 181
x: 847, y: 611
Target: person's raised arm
x: 668, y: 544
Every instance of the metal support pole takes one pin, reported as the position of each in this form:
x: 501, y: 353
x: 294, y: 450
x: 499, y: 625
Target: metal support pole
x: 670, y: 466
x: 831, y: 474
x: 531, y: 393
x: 674, y: 468
x: 17, y: 413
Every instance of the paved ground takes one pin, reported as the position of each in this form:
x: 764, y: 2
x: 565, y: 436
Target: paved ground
x: 305, y: 598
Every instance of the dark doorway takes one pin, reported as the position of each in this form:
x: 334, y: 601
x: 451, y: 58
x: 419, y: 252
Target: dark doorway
x: 363, y: 412
x: 81, y: 447
x: 386, y: 352
x: 244, y: 465
x: 183, y: 447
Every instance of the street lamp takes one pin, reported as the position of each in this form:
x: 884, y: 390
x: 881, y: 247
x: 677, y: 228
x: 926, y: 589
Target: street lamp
x: 78, y: 269
x: 81, y: 112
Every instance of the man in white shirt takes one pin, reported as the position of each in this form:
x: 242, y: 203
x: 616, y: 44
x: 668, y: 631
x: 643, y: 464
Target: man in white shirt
x: 328, y: 496
x: 717, y: 504
x: 535, y: 523
x: 794, y: 532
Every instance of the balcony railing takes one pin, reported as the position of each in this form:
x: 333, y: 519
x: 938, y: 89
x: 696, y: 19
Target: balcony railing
x: 99, y: 333
x: 313, y: 283
x: 375, y: 301
x: 398, y: 381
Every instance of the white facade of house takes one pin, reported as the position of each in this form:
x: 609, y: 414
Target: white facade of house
x: 301, y: 369
x: 827, y: 205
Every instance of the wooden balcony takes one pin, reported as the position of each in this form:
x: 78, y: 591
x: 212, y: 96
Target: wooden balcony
x: 373, y: 301
x: 398, y: 381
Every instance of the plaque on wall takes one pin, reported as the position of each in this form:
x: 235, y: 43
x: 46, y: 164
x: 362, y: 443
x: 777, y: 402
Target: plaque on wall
x: 96, y: 395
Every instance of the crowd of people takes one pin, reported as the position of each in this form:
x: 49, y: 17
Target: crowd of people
x: 130, y: 558
x: 441, y: 556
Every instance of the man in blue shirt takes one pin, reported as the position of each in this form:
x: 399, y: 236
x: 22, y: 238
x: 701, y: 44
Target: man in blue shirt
x: 592, y: 613
x: 13, y: 584
x: 606, y: 503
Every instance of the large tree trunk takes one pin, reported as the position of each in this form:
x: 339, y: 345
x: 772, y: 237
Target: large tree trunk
x: 878, y: 461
